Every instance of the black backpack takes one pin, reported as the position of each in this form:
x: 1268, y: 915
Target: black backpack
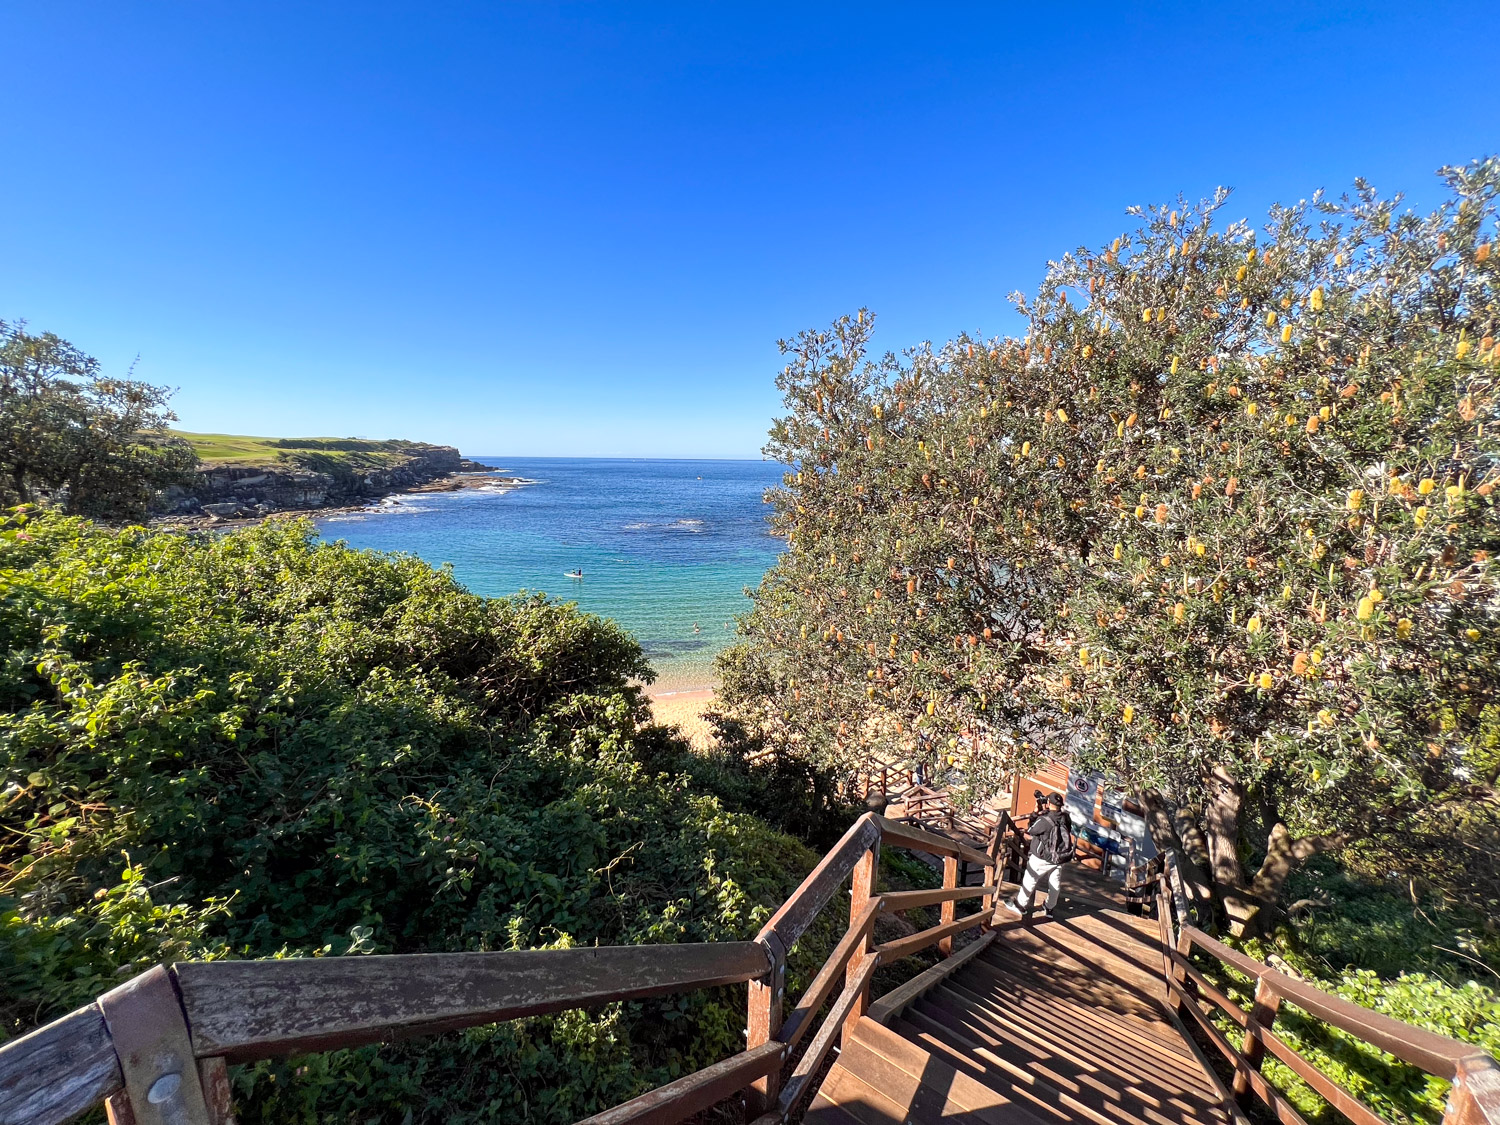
x: 1058, y: 843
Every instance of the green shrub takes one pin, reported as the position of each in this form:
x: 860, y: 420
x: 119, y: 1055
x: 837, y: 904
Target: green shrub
x: 1415, y: 962
x: 262, y: 745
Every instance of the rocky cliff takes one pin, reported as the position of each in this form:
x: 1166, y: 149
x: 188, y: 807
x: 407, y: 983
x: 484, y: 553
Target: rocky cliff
x: 315, y: 473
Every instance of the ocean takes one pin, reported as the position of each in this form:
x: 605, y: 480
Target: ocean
x: 666, y: 547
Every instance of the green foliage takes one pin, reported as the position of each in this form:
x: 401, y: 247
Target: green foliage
x: 307, y: 750
x: 62, y: 961
x: 1343, y: 921
x: 73, y: 438
x: 1222, y: 524
x: 1414, y: 962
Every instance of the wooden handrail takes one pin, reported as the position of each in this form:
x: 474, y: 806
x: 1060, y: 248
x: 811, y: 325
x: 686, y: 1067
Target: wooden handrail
x: 236, y: 1011
x: 1434, y: 1053
x: 817, y: 1051
x: 797, y: 913
x: 905, y: 947
x: 245, y: 1010
x: 800, y: 1020
x: 917, y: 839
x: 893, y: 901
x: 1473, y: 1100
x: 693, y: 1093
x: 59, y: 1070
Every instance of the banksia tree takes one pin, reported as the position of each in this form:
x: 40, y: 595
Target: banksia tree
x: 1220, y: 523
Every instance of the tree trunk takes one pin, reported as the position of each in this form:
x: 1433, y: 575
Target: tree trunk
x: 1283, y: 854
x: 1221, y: 822
x: 1159, y: 821
x: 1194, y: 849
x: 1167, y: 839
x: 1221, y: 816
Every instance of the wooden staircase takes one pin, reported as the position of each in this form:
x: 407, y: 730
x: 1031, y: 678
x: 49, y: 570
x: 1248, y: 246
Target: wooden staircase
x: 1052, y: 1021
x: 1076, y: 1018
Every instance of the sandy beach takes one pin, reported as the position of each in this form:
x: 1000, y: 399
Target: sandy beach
x: 683, y: 708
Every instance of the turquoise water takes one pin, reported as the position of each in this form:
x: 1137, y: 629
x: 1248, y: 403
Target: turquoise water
x: 664, y: 545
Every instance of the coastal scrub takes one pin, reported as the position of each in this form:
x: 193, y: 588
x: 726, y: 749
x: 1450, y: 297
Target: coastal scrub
x: 264, y: 745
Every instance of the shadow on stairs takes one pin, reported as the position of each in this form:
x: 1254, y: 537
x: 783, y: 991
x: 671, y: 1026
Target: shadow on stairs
x: 1054, y: 1021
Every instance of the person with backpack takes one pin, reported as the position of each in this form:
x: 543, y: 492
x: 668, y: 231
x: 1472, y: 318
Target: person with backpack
x: 1052, y: 845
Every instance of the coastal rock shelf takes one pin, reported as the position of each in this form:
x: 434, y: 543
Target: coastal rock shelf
x: 313, y: 473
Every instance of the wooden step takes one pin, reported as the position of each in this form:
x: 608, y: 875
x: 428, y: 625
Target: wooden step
x: 938, y: 1035
x: 1150, y: 1070
x: 882, y: 1078
x: 1079, y: 1034
x: 1070, y: 966
x: 1051, y: 1023
x: 1010, y: 986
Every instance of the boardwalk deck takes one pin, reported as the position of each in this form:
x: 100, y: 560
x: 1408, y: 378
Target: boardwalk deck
x: 1056, y: 1021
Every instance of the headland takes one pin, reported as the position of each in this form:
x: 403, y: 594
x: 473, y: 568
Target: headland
x: 243, y: 478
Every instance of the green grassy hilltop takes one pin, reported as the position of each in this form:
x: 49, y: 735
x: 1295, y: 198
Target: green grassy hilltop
x: 311, y: 453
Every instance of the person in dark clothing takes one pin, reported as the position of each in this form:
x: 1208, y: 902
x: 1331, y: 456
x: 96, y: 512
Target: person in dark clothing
x: 1052, y: 844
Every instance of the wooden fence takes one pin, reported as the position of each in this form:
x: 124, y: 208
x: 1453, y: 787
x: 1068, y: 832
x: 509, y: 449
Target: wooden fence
x: 1475, y: 1095
x: 156, y: 1049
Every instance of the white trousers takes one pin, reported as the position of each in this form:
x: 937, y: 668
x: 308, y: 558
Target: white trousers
x: 1039, y: 871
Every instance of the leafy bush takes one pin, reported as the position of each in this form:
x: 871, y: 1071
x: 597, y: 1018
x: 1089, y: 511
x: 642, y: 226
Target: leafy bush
x: 1413, y: 961
x: 261, y: 745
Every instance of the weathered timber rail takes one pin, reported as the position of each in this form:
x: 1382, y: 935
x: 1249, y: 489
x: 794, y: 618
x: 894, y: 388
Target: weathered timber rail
x: 1475, y: 1095
x: 156, y: 1049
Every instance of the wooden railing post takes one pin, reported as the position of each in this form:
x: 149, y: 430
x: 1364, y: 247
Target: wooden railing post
x: 950, y: 908
x: 763, y: 1022
x: 149, y: 1032
x: 1253, y: 1047
x: 1475, y: 1097
x: 994, y: 872
x: 861, y: 891
x: 1184, y: 947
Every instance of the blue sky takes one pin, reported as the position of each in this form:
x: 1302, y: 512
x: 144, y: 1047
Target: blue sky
x: 537, y: 229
